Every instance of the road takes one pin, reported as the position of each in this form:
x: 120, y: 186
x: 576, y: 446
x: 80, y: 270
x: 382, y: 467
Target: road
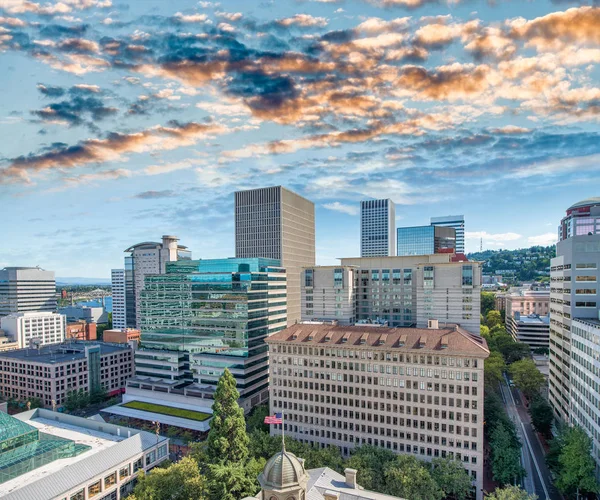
x: 538, y: 479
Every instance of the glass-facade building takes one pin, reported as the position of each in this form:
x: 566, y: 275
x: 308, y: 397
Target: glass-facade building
x: 425, y: 240
x: 457, y: 222
x: 211, y: 315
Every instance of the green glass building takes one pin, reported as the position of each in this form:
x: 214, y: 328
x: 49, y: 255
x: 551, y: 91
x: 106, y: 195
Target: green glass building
x: 203, y: 316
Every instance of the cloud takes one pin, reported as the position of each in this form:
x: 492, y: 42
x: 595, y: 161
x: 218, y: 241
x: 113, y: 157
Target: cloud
x: 302, y: 20
x: 73, y: 112
x: 153, y: 195
x: 410, y: 4
x: 558, y: 166
x: 497, y: 238
x: 192, y: 18
x: 342, y: 207
x: 50, y: 91
x: 545, y: 239
x: 510, y: 129
x: 77, y: 180
x: 49, y: 9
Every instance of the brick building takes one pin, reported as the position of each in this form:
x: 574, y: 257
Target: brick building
x: 81, y: 330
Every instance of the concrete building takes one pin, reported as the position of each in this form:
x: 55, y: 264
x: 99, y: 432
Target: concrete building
x: 276, y: 223
x: 84, y: 313
x: 27, y: 289
x: 50, y: 372
x: 410, y: 291
x: 143, y: 259
x: 41, y: 327
x: 377, y: 228
x: 123, y: 336
x: 425, y: 240
x: 585, y: 381
x: 528, y: 302
x: 55, y: 456
x: 7, y: 343
x: 531, y: 329
x: 458, y: 223
x: 328, y: 294
x: 81, y: 330
x: 119, y: 298
x: 574, y: 277
x: 410, y: 390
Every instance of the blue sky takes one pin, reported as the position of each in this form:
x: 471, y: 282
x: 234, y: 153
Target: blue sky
x: 122, y: 121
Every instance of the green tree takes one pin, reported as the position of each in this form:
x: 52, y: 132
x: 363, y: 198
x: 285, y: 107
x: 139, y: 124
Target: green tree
x: 256, y: 419
x: 498, y: 330
x: 234, y: 481
x: 541, y: 415
x: 98, y: 395
x: 527, y: 377
x: 510, y: 493
x: 407, y: 477
x: 577, y: 467
x: 451, y: 477
x: 493, y: 318
x: 370, y: 461
x: 493, y: 368
x: 488, y: 302
x: 227, y: 439
x: 180, y: 481
x: 76, y: 400
x: 506, y: 465
x: 484, y: 330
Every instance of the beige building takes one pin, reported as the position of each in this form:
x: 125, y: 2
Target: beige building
x: 278, y: 224
x: 122, y: 336
x: 528, y: 302
x: 328, y: 294
x: 410, y: 390
x: 40, y: 327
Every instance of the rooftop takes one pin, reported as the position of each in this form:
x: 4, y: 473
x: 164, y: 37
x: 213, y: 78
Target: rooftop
x: 589, y: 321
x: 585, y: 203
x: 60, y: 353
x: 533, y: 319
x: 449, y: 338
x: 325, y: 480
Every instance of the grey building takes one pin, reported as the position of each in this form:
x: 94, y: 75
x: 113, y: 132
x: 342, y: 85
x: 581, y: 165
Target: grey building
x: 377, y: 228
x: 425, y: 240
x: 276, y: 223
x: 27, y: 289
x: 328, y: 294
x: 531, y: 329
x: 458, y: 223
x: 119, y: 298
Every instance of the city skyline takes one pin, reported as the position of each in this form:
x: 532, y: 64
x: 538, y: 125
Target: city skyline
x: 119, y: 125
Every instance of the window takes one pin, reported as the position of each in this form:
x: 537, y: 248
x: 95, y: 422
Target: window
x: 150, y: 458
x: 162, y: 451
x: 80, y: 495
x: 308, y: 277
x: 110, y: 480
x: 467, y: 275
x: 428, y: 276
x: 585, y: 266
x: 585, y: 278
x: 137, y: 465
x: 124, y: 472
x: 94, y: 489
x: 338, y: 278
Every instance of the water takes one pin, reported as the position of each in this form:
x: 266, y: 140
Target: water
x: 98, y: 303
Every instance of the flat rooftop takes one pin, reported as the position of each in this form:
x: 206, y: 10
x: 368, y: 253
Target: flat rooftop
x: 533, y: 320
x: 60, y: 353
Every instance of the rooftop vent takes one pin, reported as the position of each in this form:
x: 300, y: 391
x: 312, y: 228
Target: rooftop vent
x: 433, y: 324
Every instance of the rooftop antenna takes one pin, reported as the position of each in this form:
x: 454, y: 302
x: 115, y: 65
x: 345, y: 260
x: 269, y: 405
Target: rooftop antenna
x: 481, y: 244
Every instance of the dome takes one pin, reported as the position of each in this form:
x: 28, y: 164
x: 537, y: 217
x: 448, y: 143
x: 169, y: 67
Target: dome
x: 284, y: 470
x: 585, y: 203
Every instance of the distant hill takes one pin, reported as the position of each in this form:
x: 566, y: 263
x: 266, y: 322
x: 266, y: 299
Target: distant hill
x: 82, y: 281
x: 525, y: 264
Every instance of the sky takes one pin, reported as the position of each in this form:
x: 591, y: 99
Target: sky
x: 123, y: 121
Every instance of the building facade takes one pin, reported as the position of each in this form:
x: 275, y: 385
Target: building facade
x: 85, y: 313
x: 531, y: 329
x: 458, y: 223
x: 122, y: 336
x: 377, y: 228
x: 528, y: 302
x: 411, y: 290
x: 276, y: 223
x: 425, y: 240
x: 51, y: 372
x: 119, y: 297
x: 27, y: 289
x: 574, y: 277
x: 80, y: 330
x: 328, y: 294
x: 417, y: 391
x: 203, y: 316
x: 40, y: 327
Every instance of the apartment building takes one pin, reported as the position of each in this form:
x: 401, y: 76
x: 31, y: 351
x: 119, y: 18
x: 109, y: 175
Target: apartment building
x: 328, y: 294
x: 40, y: 327
x: 50, y: 372
x: 410, y: 390
x: 377, y: 228
x: 119, y: 297
x: 27, y: 289
x: 276, y: 223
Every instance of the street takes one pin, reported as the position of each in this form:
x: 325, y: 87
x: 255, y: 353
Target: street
x: 537, y: 480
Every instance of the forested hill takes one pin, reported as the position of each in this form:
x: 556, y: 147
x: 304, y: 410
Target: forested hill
x: 525, y: 263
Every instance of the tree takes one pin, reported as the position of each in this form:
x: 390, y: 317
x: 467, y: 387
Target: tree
x: 451, y: 477
x: 498, y: 330
x: 407, y: 477
x: 527, y: 377
x: 234, y: 481
x: 227, y: 440
x: 493, y: 368
x: 256, y: 419
x: 510, y: 493
x: 577, y: 467
x: 76, y: 400
x: 484, y: 330
x: 180, y: 481
x: 488, y: 302
x: 370, y: 461
x: 506, y: 465
x: 98, y: 395
x: 541, y: 415
x: 493, y: 318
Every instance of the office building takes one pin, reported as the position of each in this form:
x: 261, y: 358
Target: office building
x: 531, y: 329
x: 81, y: 330
x: 574, y: 276
x: 276, y: 223
x: 528, y: 302
x: 54, y: 456
x: 377, y: 228
x: 7, y: 343
x: 458, y: 223
x: 85, y: 313
x: 145, y: 258
x: 203, y: 316
x: 27, y: 289
x: 425, y: 240
x: 328, y: 294
x: 409, y: 390
x: 40, y: 328
x: 119, y: 298
x: 410, y: 291
x: 51, y: 372
x: 122, y: 336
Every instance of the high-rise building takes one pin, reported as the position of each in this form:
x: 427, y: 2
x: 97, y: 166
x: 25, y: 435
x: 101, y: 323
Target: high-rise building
x: 42, y: 328
x: 145, y: 258
x: 276, y: 223
x: 203, y: 316
x: 410, y: 291
x: 574, y: 294
x: 377, y: 228
x: 458, y: 223
x: 414, y: 391
x: 119, y: 299
x: 328, y: 294
x: 425, y: 240
x: 27, y: 289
